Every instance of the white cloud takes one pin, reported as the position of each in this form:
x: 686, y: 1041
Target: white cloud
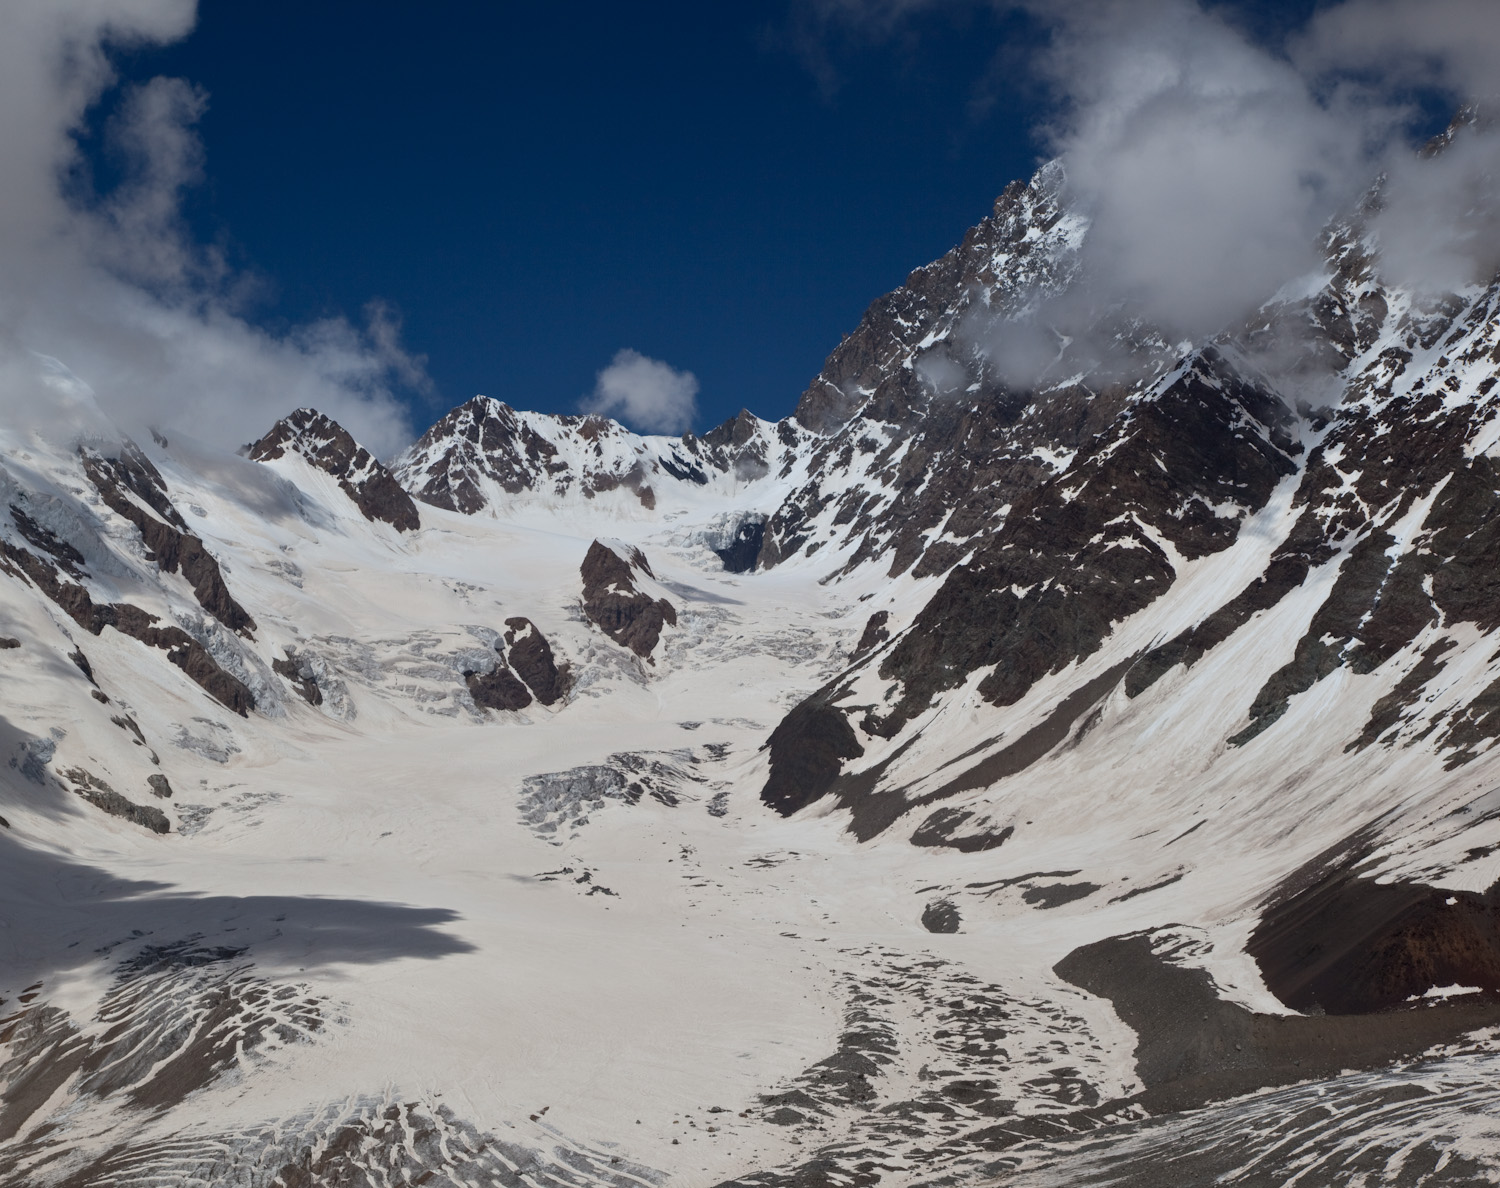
x: 645, y: 393
x: 114, y: 286
x: 1205, y: 164
x: 1440, y: 224
x: 1449, y: 43
x: 1207, y: 161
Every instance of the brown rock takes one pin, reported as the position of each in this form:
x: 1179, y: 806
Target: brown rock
x: 612, y: 601
x: 326, y: 444
x: 181, y: 648
x: 106, y: 799
x: 876, y: 632
x: 530, y: 657
x: 498, y: 689
x: 807, y: 750
x: 164, y: 533
x: 301, y: 676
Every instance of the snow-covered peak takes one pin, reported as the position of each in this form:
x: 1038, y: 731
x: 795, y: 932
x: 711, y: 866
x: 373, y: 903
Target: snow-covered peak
x: 325, y: 444
x: 487, y: 456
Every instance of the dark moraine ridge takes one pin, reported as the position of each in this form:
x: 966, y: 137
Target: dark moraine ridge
x: 1349, y: 945
x: 1193, y: 1048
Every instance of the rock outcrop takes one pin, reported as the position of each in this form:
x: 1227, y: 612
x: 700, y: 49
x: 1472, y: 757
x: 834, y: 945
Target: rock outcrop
x: 300, y: 674
x: 486, y: 455
x: 182, y: 649
x: 106, y: 799
x: 614, y: 602
x: 530, y: 657
x: 135, y: 490
x: 498, y: 689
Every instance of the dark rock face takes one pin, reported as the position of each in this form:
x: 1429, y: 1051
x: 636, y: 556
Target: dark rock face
x: 942, y: 443
x: 160, y: 786
x: 328, y: 445
x: 807, y: 750
x: 1043, y: 560
x: 876, y: 632
x: 181, y: 648
x: 480, y: 438
x: 941, y: 916
x: 612, y: 601
x: 1386, y: 595
x: 68, y: 559
x: 1396, y: 438
x: 871, y: 359
x: 163, y: 530
x: 736, y: 447
x: 530, y: 657
x: 1080, y: 553
x: 301, y: 676
x: 103, y: 797
x: 498, y: 689
x: 1347, y: 945
x: 487, y: 440
x: 740, y: 555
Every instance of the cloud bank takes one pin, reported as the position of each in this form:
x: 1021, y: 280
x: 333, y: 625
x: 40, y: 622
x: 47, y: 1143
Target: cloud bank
x: 1208, y: 161
x: 113, y: 285
x: 645, y: 393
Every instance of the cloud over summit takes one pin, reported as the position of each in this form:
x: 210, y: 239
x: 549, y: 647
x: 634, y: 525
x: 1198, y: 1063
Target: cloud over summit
x: 113, y: 284
x: 645, y: 393
x: 1207, y: 160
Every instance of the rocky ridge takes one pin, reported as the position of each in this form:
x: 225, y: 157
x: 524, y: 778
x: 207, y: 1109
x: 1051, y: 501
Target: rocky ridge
x: 327, y: 445
x: 485, y: 454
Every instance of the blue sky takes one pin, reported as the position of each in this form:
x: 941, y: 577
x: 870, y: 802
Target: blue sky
x: 533, y: 188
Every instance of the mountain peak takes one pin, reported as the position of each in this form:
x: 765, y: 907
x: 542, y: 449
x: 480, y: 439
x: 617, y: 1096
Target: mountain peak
x: 327, y: 446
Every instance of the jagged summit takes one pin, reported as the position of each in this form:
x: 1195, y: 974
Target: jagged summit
x: 1026, y: 248
x: 327, y: 445
x: 484, y: 455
